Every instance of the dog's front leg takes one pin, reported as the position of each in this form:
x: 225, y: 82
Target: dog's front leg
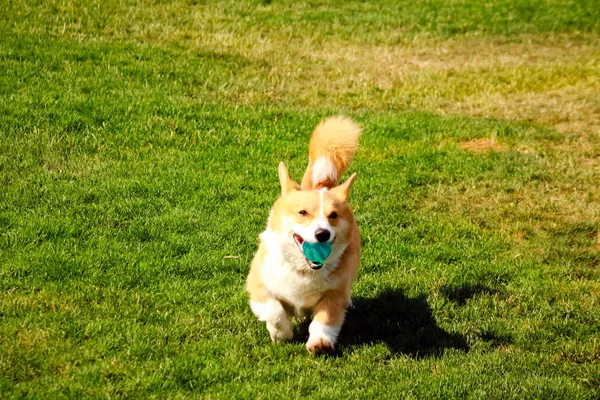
x: 328, y: 318
x: 277, y: 320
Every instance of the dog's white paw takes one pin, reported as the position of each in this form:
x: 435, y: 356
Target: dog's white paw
x: 322, y: 338
x: 280, y: 335
x: 319, y: 344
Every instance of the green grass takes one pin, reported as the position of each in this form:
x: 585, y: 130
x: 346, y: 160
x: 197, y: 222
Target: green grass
x: 138, y: 152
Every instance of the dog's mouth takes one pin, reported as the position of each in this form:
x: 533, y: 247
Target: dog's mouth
x: 298, y: 240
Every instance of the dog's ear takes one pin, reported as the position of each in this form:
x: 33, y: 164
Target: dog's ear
x: 287, y: 183
x: 342, y: 191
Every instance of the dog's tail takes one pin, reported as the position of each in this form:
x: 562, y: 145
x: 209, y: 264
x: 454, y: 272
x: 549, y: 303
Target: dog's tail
x: 331, y: 149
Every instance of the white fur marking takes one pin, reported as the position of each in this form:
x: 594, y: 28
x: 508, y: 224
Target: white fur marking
x: 271, y: 311
x: 323, y: 169
x: 284, y: 272
x: 308, y: 232
x: 257, y: 308
x: 269, y: 218
x: 278, y: 323
x: 321, y: 212
x: 318, y: 330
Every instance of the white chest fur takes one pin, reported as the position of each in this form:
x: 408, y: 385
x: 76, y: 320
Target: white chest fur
x: 287, y: 276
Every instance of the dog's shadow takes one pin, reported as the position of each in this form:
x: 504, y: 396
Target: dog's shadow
x: 405, y: 325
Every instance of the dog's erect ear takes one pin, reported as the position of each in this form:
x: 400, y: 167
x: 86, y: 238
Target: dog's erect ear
x: 287, y: 184
x: 342, y: 191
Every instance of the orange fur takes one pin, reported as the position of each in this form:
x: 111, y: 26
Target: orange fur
x: 336, y: 139
x: 282, y: 283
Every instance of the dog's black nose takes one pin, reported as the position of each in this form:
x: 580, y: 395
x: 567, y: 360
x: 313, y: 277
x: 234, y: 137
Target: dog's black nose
x: 322, y: 235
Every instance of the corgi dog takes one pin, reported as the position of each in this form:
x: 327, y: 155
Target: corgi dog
x: 283, y: 283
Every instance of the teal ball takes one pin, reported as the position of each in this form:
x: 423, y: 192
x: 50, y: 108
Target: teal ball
x: 316, y: 253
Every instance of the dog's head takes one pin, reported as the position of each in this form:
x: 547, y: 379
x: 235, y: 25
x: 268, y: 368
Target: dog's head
x: 313, y: 216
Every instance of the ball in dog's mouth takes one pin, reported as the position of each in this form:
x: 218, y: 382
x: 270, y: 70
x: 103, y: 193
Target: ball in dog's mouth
x: 314, y: 253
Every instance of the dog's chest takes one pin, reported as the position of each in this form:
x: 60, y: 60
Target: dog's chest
x: 281, y: 274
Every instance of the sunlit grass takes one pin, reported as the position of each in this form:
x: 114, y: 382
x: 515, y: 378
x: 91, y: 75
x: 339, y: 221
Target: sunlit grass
x: 138, y: 153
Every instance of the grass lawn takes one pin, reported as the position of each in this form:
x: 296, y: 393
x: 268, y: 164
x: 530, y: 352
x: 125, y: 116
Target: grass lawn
x: 139, y: 144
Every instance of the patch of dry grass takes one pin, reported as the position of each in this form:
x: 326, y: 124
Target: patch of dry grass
x: 534, y: 211
x: 549, y: 79
x: 483, y: 145
x: 537, y: 83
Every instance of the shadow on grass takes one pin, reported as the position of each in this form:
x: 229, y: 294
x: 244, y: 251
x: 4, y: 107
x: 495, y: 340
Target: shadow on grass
x: 405, y: 325
x: 463, y: 292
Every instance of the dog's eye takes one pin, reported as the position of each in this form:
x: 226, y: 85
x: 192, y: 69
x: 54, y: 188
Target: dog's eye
x: 333, y: 215
x: 304, y: 213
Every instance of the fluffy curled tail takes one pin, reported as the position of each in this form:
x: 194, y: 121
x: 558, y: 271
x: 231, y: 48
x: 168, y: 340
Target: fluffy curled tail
x: 331, y: 149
